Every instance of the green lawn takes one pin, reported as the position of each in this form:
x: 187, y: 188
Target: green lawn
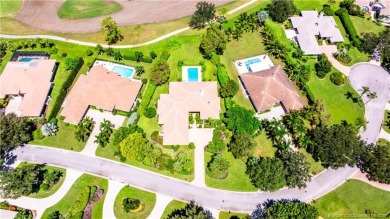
x: 314, y: 4
x: 363, y: 25
x: 172, y: 206
x: 228, y: 215
x: 264, y: 146
x: 148, y: 200
x: 386, y: 121
x: 336, y: 103
x: 75, y: 9
x: 64, y: 138
x: 236, y: 180
x: 9, y: 7
x: 70, y: 199
x: 342, y: 29
x: 315, y: 167
x: 357, y: 56
x: 354, y: 197
x: 52, y: 190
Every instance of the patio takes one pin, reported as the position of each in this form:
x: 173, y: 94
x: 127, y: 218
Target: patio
x: 253, y: 64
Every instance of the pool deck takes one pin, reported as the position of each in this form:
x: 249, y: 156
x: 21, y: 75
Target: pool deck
x: 184, y: 73
x: 265, y: 63
x: 110, y: 66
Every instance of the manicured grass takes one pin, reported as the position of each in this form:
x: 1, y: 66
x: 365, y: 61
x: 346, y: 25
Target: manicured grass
x: 386, y: 121
x: 314, y: 4
x: 315, y: 167
x: 64, y: 138
x: 228, y: 215
x: 363, y: 25
x: 357, y: 56
x: 264, y: 146
x: 172, y: 206
x: 147, y: 199
x: 9, y: 7
x: 148, y: 125
x: 336, y: 103
x: 354, y: 197
x: 52, y: 190
x: 74, y: 9
x: 236, y: 180
x: 110, y: 149
x: 342, y: 29
x: 66, y: 203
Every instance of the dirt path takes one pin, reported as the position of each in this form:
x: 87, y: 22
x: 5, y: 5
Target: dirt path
x: 43, y: 14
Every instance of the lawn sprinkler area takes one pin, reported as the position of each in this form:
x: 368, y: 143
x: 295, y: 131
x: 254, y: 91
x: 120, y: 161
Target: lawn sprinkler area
x: 122, y: 70
x: 253, y: 64
x: 192, y: 73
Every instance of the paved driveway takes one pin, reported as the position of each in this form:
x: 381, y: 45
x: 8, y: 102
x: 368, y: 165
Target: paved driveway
x: 378, y: 80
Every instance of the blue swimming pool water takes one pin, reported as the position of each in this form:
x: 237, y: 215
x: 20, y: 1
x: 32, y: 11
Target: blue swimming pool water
x: 193, y: 74
x: 123, y: 72
x: 250, y: 62
x: 26, y: 59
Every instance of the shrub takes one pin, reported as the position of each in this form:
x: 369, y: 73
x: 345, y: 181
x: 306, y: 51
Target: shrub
x: 148, y: 95
x: 64, y: 54
x: 323, y: 66
x: 49, y: 129
x: 222, y: 74
x: 327, y: 10
x: 337, y: 78
x: 218, y: 167
x: 156, y: 137
x: 53, y: 121
x: 45, y: 186
x: 150, y: 112
x: 54, y: 51
x: 89, y: 52
x: 129, y: 204
x: 160, y: 73
x: 144, y: 81
x: 191, y: 145
x: 37, y: 134
x: 114, y: 112
x: 164, y: 56
x: 153, y: 55
x: 229, y: 89
x: 349, y: 28
x: 146, y: 59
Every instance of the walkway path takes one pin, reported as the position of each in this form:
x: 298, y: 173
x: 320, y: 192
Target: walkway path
x: 329, y: 50
x: 161, y: 203
x: 361, y: 176
x: 208, y: 197
x: 40, y: 205
x: 115, y: 46
x: 114, y: 188
x: 98, y: 117
x: 201, y: 138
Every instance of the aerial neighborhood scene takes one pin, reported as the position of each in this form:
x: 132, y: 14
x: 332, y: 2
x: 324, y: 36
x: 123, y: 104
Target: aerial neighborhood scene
x: 194, y: 109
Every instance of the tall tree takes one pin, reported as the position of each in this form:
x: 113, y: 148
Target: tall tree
x: 267, y: 174
x: 204, y: 13
x: 190, y: 211
x: 241, y: 146
x: 106, y: 129
x: 376, y: 161
x: 297, y: 168
x: 241, y: 120
x: 365, y: 90
x: 280, y: 10
x: 214, y: 42
x: 110, y: 28
x: 336, y: 146
x: 284, y: 209
x: 369, y: 42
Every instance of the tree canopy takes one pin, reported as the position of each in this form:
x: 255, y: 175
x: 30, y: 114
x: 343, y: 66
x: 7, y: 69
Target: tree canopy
x: 218, y: 166
x: 190, y: 211
x: 205, y: 12
x: 335, y: 146
x: 214, y: 42
x: 376, y: 161
x: 285, y: 209
x: 370, y: 42
x: 280, y: 10
x: 133, y: 146
x: 160, y: 73
x: 297, y: 168
x: 267, y: 174
x: 241, y: 146
x: 110, y: 28
x: 229, y: 89
x: 241, y: 120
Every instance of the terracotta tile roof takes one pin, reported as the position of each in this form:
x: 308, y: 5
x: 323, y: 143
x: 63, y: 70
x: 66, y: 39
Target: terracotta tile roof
x: 32, y: 80
x: 185, y: 97
x: 100, y: 88
x: 271, y: 86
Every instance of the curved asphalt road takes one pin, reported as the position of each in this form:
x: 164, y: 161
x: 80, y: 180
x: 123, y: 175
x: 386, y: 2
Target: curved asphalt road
x: 208, y: 197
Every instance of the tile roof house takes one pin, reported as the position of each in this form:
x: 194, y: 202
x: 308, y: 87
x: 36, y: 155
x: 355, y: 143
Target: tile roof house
x: 271, y: 86
x: 31, y: 81
x: 102, y: 89
x: 184, y: 98
x: 311, y: 24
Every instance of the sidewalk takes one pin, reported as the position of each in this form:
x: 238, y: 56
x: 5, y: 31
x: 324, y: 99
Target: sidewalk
x: 114, y: 188
x: 162, y: 202
x: 362, y: 177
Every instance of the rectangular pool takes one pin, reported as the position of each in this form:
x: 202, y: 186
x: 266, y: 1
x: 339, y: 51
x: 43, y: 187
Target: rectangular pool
x: 250, y: 62
x: 123, y: 72
x: 26, y: 59
x: 193, y: 74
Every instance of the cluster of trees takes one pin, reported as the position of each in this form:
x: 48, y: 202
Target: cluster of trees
x: 323, y: 66
x: 221, y: 137
x: 214, y: 42
x: 273, y: 46
x: 160, y: 73
x: 285, y: 208
x: 281, y: 10
x: 352, y: 8
x: 191, y: 210
x: 111, y: 31
x: 218, y: 167
x: 14, y: 132
x: 375, y: 161
x: 371, y: 42
x: 84, y: 129
x: 245, y: 22
x: 104, y: 135
x: 203, y: 15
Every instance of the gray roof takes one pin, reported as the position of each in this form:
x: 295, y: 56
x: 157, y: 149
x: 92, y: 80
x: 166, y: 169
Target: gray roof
x: 309, y: 25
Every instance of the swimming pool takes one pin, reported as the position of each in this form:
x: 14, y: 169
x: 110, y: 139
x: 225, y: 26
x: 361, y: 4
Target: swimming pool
x: 26, y: 59
x: 123, y: 72
x: 193, y: 74
x: 250, y: 62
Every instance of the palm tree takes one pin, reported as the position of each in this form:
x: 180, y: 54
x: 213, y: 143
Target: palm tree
x: 371, y: 96
x: 84, y: 129
x: 365, y: 90
x: 237, y: 31
x: 304, y: 141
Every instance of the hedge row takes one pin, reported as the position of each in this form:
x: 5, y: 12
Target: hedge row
x: 130, y: 55
x: 222, y: 74
x: 148, y: 95
x: 228, y: 103
x: 164, y: 56
x: 348, y: 26
x: 64, y: 89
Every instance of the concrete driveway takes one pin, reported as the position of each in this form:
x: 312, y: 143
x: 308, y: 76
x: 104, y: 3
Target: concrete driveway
x: 378, y: 80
